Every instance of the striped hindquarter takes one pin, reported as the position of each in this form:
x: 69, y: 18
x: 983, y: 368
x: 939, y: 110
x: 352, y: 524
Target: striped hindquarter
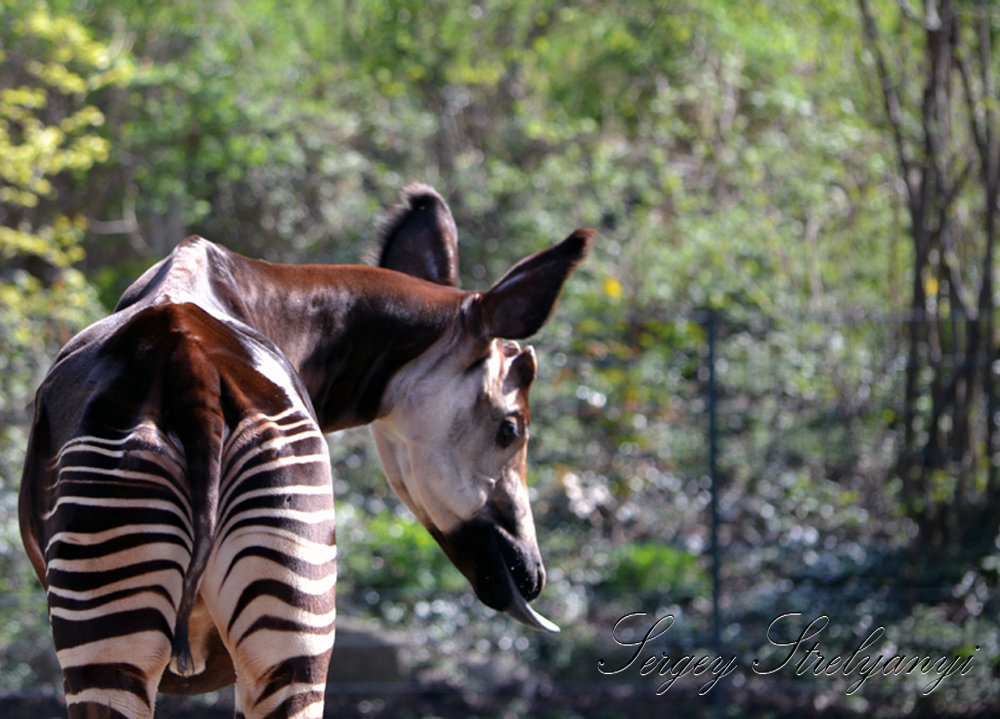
x: 271, y: 578
x: 172, y: 554
x: 120, y: 541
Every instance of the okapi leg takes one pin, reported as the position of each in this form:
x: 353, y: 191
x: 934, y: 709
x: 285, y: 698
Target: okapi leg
x: 270, y: 580
x: 281, y: 618
x: 119, y: 545
x: 113, y: 641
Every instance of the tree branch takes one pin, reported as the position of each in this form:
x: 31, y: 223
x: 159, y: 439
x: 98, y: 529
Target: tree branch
x: 991, y: 153
x: 909, y: 12
x: 976, y: 123
x: 890, y: 95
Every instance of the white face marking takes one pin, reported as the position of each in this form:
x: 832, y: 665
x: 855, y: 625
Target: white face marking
x: 440, y: 437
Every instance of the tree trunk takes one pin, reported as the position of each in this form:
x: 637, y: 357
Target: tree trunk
x: 950, y: 438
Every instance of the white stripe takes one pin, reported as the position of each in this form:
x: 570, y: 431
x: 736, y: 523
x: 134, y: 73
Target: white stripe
x: 300, y: 644
x: 128, y: 476
x: 125, y: 702
x: 318, y: 517
x: 285, y: 462
x: 261, y: 418
x: 144, y: 452
x: 168, y: 579
x: 141, y: 600
x: 321, y: 587
x: 126, y: 503
x: 246, y: 430
x: 145, y: 432
x: 234, y: 482
x: 313, y: 710
x: 275, y: 443
x: 281, y: 540
x: 90, y: 439
x: 294, y: 489
x: 141, y: 453
x: 271, y: 606
x: 87, y: 539
x: 123, y: 558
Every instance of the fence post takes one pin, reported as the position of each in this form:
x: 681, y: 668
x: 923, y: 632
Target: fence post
x: 713, y: 450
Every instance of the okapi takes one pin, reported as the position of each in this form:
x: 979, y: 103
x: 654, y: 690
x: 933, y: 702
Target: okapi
x: 177, y: 502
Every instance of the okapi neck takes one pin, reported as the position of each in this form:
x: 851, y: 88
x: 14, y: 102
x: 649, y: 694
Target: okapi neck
x: 346, y: 329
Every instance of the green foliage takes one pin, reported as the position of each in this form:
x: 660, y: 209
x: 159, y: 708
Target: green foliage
x: 649, y: 571
x: 50, y: 135
x: 734, y: 162
x: 47, y: 128
x: 391, y: 551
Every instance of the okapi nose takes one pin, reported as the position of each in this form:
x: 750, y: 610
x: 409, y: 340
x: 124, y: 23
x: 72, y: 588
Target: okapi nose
x: 511, y: 349
x: 524, y: 367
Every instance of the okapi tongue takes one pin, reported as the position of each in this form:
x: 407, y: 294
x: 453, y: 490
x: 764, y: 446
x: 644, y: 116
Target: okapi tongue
x: 520, y: 610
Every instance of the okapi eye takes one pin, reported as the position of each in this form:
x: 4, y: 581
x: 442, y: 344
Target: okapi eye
x: 508, y: 432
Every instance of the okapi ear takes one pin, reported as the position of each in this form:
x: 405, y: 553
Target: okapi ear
x: 519, y: 304
x: 418, y: 237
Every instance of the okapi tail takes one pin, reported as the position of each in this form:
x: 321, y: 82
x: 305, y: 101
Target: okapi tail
x: 193, y: 412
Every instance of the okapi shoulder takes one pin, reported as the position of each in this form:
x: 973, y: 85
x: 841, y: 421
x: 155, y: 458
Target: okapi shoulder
x: 197, y: 271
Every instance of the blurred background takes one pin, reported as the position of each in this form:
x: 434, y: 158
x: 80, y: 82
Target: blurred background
x: 772, y: 387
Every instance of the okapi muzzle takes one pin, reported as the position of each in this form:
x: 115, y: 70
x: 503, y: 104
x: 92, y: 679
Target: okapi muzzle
x: 497, y: 549
x: 504, y: 569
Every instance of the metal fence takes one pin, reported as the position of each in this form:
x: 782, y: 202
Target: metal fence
x: 789, y: 489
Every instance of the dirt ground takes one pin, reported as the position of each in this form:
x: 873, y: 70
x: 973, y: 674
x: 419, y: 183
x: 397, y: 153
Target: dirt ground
x: 562, y: 701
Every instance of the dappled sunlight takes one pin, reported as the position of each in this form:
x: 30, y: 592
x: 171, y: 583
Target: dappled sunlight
x: 780, y: 255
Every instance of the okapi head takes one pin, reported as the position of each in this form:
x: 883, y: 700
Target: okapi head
x: 453, y: 428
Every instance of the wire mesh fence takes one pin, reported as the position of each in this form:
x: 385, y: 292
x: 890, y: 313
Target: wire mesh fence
x: 741, y: 476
